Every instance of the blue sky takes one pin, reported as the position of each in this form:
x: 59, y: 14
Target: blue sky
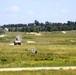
x: 26, y: 11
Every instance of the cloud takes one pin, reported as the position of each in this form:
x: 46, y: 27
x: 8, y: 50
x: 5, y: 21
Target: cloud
x: 64, y: 11
x: 13, y: 8
x: 30, y: 13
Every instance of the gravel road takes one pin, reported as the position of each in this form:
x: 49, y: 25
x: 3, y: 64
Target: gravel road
x: 37, y: 68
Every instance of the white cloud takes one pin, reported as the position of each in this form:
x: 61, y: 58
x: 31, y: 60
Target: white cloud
x: 30, y: 13
x: 64, y: 11
x: 13, y: 8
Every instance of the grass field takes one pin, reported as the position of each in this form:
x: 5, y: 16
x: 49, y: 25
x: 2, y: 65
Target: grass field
x: 43, y: 72
x: 53, y: 49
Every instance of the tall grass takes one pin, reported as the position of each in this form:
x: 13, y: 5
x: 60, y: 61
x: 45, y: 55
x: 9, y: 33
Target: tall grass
x: 53, y: 49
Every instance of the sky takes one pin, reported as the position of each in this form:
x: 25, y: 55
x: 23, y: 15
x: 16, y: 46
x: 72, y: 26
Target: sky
x: 27, y: 11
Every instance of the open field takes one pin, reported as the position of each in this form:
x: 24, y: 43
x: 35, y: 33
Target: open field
x: 42, y: 72
x: 52, y: 49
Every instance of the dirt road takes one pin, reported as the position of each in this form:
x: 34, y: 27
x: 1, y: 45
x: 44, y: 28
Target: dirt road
x: 37, y: 68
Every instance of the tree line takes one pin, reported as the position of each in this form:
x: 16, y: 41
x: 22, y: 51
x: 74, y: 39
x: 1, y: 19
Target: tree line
x: 40, y: 27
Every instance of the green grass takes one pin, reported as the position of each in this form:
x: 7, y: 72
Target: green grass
x: 53, y: 49
x: 42, y: 72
